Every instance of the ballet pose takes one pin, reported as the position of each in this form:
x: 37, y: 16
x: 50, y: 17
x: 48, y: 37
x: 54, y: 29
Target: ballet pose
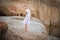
x: 26, y: 21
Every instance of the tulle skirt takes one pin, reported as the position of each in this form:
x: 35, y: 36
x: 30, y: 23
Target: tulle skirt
x: 27, y: 19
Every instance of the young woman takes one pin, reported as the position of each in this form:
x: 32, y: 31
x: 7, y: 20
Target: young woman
x: 26, y: 21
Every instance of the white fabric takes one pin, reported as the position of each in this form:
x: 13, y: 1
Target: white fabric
x: 27, y: 18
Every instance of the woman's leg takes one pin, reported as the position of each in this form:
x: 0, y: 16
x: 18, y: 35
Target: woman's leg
x: 26, y: 27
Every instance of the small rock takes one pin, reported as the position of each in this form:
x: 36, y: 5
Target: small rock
x: 3, y: 30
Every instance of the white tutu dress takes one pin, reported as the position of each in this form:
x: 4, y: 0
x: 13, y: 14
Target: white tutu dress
x: 27, y: 18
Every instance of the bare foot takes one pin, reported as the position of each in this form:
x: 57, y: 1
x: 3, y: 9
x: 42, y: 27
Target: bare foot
x: 26, y: 30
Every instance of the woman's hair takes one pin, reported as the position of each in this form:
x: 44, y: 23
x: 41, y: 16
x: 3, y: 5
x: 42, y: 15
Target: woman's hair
x: 26, y: 6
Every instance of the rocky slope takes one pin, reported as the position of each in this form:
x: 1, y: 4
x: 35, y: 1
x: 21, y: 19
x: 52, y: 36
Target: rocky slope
x: 16, y: 31
x: 36, y: 30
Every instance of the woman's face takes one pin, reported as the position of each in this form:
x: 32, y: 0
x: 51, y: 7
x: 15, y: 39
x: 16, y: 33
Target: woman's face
x: 25, y: 8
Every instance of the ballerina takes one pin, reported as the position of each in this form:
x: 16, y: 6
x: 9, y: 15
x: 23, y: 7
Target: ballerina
x: 26, y: 21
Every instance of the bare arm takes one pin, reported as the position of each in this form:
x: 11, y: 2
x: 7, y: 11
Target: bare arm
x: 23, y: 9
